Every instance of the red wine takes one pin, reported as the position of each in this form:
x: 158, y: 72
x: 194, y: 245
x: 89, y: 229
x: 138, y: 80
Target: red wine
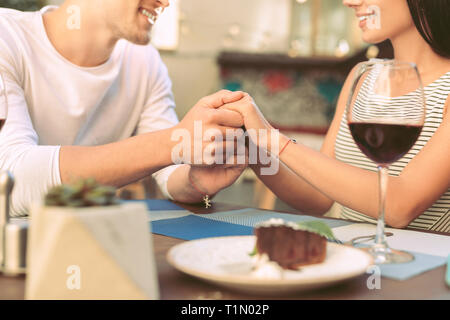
x: 2, y: 122
x: 384, y: 143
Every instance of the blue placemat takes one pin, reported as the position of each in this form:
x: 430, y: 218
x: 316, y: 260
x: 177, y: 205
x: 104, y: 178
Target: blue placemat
x: 250, y: 217
x: 194, y: 227
x: 403, y: 271
x: 447, y: 272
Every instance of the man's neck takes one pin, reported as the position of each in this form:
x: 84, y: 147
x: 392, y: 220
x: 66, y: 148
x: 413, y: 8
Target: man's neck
x: 78, y: 35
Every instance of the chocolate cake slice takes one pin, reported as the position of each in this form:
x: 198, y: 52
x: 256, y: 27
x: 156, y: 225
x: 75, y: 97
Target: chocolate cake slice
x: 292, y: 245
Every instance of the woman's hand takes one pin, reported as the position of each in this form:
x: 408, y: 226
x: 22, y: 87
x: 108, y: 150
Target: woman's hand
x: 259, y: 130
x: 253, y: 118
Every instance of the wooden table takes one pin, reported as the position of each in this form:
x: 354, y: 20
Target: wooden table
x: 175, y: 285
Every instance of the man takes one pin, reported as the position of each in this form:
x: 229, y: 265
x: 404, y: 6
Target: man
x: 89, y: 97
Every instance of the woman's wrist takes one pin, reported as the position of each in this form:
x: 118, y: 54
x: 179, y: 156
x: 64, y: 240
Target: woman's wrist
x: 283, y: 141
x: 274, y: 146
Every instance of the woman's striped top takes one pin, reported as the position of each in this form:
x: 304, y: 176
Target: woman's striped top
x: 437, y: 217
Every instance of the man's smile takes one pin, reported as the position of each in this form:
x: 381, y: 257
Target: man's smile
x: 151, y: 15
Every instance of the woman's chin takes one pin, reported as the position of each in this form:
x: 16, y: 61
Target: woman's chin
x: 372, y: 38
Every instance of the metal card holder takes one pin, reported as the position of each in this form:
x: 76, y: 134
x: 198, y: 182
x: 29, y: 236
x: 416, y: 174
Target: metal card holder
x: 13, y: 232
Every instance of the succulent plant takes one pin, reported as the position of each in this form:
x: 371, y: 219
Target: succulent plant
x: 24, y: 5
x: 82, y: 193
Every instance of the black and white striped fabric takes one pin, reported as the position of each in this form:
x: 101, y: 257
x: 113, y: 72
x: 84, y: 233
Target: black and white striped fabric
x: 437, y: 217
x: 372, y: 106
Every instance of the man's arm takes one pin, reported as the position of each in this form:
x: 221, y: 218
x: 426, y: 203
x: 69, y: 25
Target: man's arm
x: 129, y: 160
x: 37, y: 168
x: 118, y: 163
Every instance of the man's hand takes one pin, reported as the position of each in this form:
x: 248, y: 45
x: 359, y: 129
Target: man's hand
x: 206, y: 128
x: 210, y: 180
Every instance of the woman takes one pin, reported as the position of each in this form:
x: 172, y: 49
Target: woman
x: 419, y: 196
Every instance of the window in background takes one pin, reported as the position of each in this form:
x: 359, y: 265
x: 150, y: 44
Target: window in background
x: 165, y: 33
x: 323, y: 28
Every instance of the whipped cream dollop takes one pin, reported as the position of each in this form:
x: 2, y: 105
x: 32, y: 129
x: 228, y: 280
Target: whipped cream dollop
x: 266, y: 269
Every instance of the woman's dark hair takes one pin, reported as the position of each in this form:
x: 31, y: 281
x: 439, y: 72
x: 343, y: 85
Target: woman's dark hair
x: 432, y: 19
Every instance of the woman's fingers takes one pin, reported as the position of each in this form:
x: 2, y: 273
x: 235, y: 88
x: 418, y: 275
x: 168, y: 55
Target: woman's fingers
x: 225, y: 152
x: 220, y: 98
x: 243, y: 106
x: 235, y: 96
x: 229, y: 118
x: 223, y: 133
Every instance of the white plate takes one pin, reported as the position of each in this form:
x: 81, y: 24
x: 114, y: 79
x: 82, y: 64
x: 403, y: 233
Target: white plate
x: 225, y: 261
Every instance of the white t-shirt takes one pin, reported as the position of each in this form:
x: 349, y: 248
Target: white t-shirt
x: 52, y: 103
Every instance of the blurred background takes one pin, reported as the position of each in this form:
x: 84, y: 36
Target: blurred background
x: 292, y: 56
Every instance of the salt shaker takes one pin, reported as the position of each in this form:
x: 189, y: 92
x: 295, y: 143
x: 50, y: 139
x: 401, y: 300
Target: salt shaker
x: 13, y: 234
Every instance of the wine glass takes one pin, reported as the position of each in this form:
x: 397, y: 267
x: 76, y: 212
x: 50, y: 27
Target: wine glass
x: 3, y: 102
x: 385, y: 114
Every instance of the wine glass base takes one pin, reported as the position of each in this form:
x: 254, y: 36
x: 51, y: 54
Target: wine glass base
x: 385, y: 255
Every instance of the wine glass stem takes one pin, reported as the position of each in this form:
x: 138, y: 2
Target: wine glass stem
x: 382, y: 183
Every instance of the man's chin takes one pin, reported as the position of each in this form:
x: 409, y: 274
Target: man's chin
x: 140, y: 39
x: 143, y: 42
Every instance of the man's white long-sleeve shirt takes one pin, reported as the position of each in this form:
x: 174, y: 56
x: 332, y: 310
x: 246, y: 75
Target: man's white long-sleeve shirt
x: 52, y: 103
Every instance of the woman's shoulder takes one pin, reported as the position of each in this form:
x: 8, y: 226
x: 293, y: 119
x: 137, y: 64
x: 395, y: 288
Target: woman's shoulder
x: 440, y: 80
x: 438, y: 91
x: 346, y: 88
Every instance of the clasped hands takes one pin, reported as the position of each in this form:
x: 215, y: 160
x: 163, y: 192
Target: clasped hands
x: 213, y: 135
